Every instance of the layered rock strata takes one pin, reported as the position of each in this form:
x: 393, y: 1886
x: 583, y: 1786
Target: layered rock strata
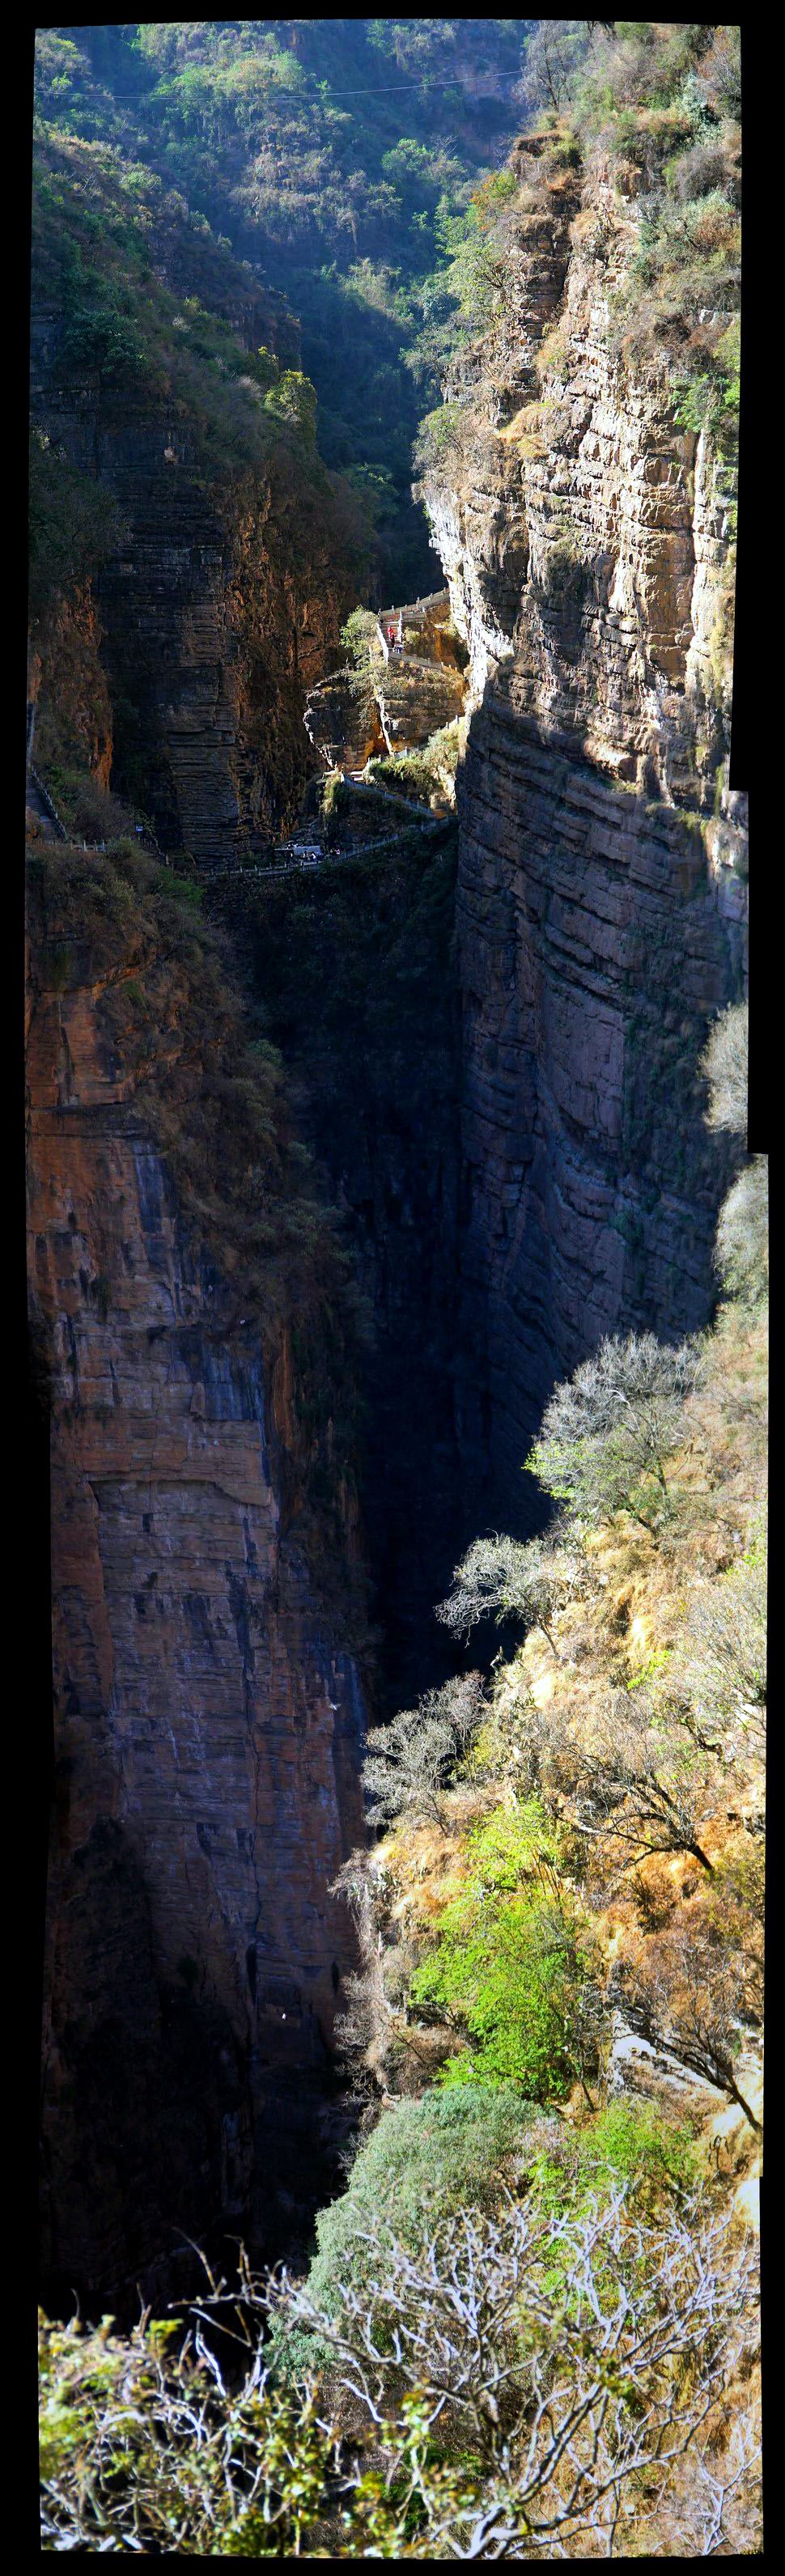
x: 406, y: 692
x: 415, y: 699
x: 208, y: 1713
x: 591, y: 957
x: 587, y: 543
x: 219, y: 607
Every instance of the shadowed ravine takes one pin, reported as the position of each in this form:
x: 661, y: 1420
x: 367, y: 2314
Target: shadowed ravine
x: 332, y: 1175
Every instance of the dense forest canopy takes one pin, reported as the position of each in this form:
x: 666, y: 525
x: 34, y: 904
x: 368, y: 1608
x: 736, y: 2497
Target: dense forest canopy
x: 339, y: 157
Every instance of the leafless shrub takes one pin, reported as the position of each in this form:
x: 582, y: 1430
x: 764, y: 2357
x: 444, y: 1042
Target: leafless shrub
x: 725, y: 1066
x: 719, y: 75
x: 554, y: 53
x: 721, y: 1665
x: 696, y: 2002
x: 608, y: 1431
x: 529, y: 1582
x: 569, y: 2355
x: 699, y: 172
x: 408, y: 1762
x: 742, y: 1245
x: 637, y: 1788
x: 741, y: 1251
x: 364, y: 2029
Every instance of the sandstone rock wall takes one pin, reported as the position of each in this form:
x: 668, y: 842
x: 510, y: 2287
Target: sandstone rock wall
x: 218, y: 609
x: 208, y: 1714
x: 403, y: 695
x: 591, y: 954
x: 586, y: 541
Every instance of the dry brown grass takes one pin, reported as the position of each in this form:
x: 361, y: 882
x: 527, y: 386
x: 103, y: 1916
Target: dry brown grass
x: 555, y: 1717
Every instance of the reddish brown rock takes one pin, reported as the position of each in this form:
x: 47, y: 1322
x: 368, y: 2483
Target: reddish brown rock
x: 208, y: 1710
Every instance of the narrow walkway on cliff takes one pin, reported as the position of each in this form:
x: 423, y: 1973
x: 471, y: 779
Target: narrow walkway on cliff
x: 237, y: 877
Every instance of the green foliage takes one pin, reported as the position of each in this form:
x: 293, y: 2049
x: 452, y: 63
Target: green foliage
x: 339, y: 162
x: 665, y: 104
x: 427, y: 772
x: 438, y: 437
x: 292, y: 398
x: 358, y: 634
x: 510, y: 1965
x: 144, y: 2445
x: 120, y: 322
x: 423, y: 2161
x: 626, y: 2142
x: 99, y: 330
x: 472, y: 2375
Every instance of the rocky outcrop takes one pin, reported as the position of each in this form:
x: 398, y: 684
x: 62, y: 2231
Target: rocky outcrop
x: 342, y: 720
x: 585, y: 538
x: 406, y: 692
x: 415, y: 699
x: 208, y: 1707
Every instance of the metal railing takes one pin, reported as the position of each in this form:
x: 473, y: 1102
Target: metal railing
x: 239, y: 877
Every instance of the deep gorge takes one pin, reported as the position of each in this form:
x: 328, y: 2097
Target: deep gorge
x: 487, y: 1067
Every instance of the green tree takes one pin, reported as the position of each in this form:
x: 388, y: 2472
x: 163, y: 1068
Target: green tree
x: 511, y: 1965
x: 293, y: 399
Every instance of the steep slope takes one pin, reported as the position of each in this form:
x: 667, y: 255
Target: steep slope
x: 521, y: 1169
x: 329, y: 152
x: 586, y: 536
x: 232, y: 553
x: 205, y: 1589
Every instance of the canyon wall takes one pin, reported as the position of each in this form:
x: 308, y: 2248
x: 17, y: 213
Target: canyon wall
x: 352, y: 964
x: 218, y: 607
x: 601, y: 902
x: 510, y: 1119
x: 208, y: 1706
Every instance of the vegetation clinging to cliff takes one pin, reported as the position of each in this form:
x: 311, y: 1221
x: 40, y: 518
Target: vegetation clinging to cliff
x: 656, y: 108
x: 332, y: 153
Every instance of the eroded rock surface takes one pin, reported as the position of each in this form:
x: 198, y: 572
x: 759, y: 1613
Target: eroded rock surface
x: 407, y: 690
x: 208, y: 1713
x: 219, y: 607
x: 586, y: 541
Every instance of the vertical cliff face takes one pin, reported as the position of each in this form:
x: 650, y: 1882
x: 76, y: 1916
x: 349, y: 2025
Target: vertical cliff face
x: 208, y: 1705
x: 601, y: 902
x: 353, y: 967
x: 218, y: 608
